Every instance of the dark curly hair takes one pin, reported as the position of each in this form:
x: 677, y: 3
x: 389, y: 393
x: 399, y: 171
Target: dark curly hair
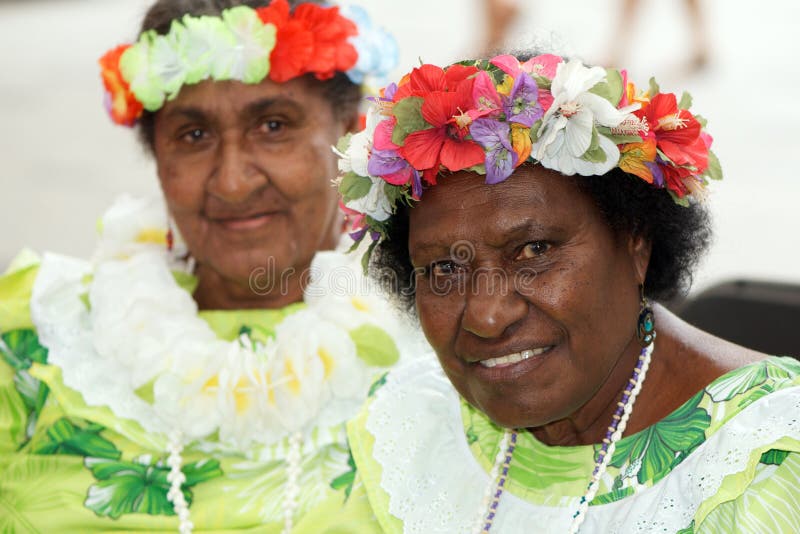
x: 679, y: 235
x: 343, y: 95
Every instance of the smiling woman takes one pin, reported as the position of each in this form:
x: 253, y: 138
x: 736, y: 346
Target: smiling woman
x: 197, y: 373
x: 566, y: 396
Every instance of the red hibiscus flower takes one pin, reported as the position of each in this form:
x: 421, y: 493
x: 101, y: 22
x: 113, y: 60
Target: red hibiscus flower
x: 448, y: 99
x: 677, y: 132
x: 124, y: 108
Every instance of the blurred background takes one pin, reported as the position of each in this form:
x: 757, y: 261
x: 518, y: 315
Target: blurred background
x: 62, y: 161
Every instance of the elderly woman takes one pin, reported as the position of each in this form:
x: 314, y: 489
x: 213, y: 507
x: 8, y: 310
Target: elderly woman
x: 536, y: 210
x: 123, y: 408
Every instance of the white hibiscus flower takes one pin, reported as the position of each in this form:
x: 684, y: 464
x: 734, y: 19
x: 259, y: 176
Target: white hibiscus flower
x: 566, y: 131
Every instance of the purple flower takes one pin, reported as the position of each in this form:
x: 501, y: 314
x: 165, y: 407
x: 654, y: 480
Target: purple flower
x: 655, y: 168
x: 495, y: 137
x: 522, y: 104
x: 416, y: 184
x: 383, y: 162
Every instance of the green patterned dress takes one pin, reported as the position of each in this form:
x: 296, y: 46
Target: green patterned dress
x: 66, y: 466
x: 726, y: 461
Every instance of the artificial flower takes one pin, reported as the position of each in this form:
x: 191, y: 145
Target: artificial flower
x: 134, y: 64
x: 205, y: 42
x: 522, y: 103
x: 446, y: 110
x: 311, y: 365
x: 568, y: 127
x: 638, y: 159
x: 377, y: 49
x: 521, y: 142
x: 677, y: 132
x: 167, y: 67
x: 494, y: 137
x: 375, y: 203
x: 332, y: 50
x: 123, y: 106
x: 294, y: 42
x: 250, y: 57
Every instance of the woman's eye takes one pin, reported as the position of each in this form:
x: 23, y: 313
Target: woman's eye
x: 534, y: 249
x: 446, y: 268
x: 194, y: 135
x: 273, y: 126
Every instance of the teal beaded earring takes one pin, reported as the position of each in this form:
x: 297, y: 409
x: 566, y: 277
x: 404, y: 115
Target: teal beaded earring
x: 646, y: 326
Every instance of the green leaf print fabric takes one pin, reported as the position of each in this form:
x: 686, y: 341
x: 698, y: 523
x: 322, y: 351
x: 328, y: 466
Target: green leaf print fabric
x: 68, y: 467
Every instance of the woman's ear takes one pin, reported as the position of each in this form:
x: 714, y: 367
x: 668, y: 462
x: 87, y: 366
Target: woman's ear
x: 640, y: 249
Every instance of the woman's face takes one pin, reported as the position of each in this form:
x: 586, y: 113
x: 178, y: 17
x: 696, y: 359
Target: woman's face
x: 524, y: 292
x: 246, y: 171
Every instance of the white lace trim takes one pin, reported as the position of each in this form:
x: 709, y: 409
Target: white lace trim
x: 435, y: 484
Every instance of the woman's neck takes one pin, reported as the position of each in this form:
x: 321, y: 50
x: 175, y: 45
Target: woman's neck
x: 215, y: 292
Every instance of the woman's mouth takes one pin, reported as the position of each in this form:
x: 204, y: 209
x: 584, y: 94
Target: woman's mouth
x: 516, y: 357
x: 250, y: 222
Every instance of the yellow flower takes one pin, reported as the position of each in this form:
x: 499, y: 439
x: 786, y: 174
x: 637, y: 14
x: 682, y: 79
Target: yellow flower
x: 633, y: 156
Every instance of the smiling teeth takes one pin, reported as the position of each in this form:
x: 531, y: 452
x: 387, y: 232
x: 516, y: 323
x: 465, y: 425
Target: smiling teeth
x: 513, y: 358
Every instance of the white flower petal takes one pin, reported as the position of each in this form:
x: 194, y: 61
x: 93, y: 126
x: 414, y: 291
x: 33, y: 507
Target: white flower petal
x: 578, y: 133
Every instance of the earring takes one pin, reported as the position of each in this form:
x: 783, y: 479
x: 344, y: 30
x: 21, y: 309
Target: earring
x: 646, y: 325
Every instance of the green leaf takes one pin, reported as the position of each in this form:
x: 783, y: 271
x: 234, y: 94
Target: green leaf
x: 665, y: 444
x: 409, y: 118
x: 201, y: 471
x: 613, y: 495
x: 774, y: 457
x: 680, y: 201
x: 714, y: 170
x: 374, y: 346
x: 344, y: 143
x: 65, y: 437
x: 610, y: 88
x: 654, y: 88
x: 21, y: 348
x: 595, y: 152
x: 686, y: 101
x: 147, y: 392
x: 687, y: 530
x: 140, y: 486
x: 354, y: 186
x: 378, y: 384
x: 346, y: 480
x: 367, y: 255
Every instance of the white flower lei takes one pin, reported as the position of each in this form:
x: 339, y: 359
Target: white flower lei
x: 141, y: 349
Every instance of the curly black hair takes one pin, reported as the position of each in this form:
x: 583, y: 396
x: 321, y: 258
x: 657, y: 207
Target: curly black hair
x: 342, y: 94
x: 679, y: 235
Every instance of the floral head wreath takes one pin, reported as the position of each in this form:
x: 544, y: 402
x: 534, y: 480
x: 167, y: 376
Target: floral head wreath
x: 492, y: 116
x: 247, y: 45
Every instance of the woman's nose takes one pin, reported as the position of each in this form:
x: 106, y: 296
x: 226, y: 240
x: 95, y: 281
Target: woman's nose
x: 492, y: 304
x: 236, y: 176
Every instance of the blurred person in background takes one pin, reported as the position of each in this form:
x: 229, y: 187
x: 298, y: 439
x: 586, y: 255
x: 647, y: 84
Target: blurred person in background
x: 195, y: 374
x: 566, y: 398
x: 500, y: 15
x: 629, y: 10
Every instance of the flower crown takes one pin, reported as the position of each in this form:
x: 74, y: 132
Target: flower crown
x: 247, y: 45
x: 492, y: 116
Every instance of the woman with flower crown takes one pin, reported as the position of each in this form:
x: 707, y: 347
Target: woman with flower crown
x: 123, y: 408
x: 535, y: 211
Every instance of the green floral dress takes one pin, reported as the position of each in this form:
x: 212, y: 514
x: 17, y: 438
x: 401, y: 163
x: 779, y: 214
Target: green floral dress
x: 66, y: 466
x: 727, y: 460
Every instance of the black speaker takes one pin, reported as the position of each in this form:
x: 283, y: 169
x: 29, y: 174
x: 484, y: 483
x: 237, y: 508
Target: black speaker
x: 759, y: 315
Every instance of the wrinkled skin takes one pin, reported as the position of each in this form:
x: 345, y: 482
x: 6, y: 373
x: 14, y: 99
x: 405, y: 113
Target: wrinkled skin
x: 543, y: 270
x: 246, y: 171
